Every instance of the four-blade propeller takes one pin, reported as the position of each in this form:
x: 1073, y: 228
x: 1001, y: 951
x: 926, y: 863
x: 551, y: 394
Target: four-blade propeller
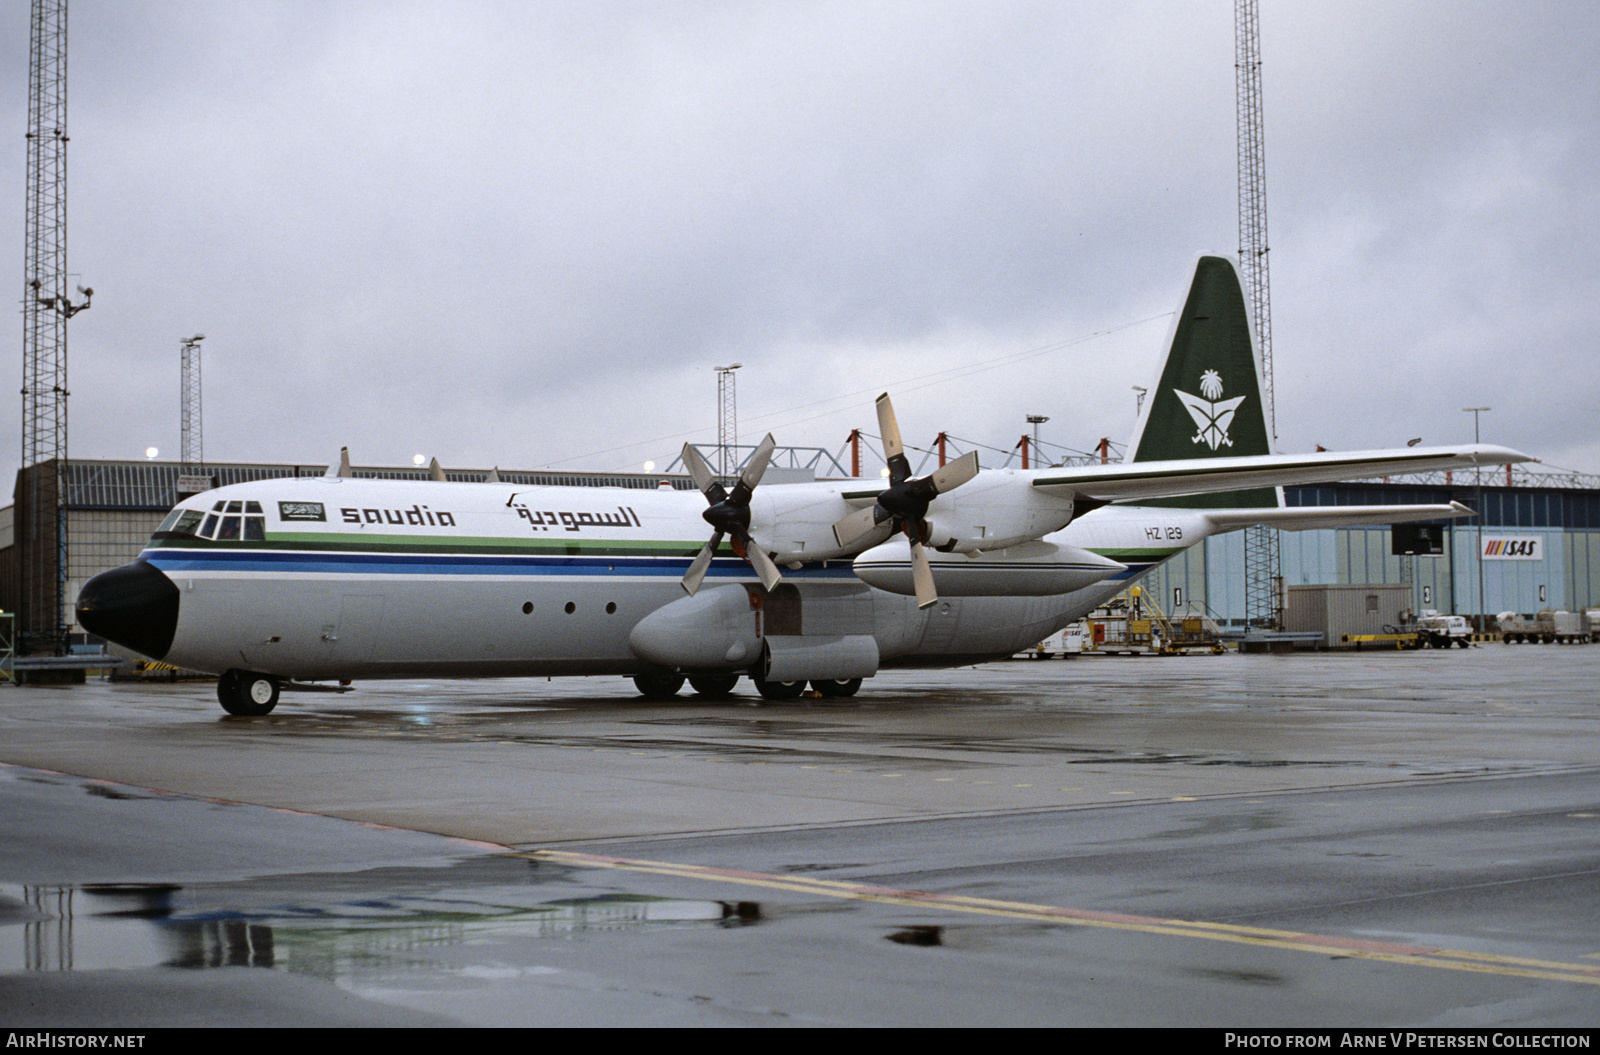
x: 729, y: 514
x: 905, y: 502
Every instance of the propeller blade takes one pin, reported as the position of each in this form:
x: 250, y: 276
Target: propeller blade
x: 951, y: 476
x: 856, y: 526
x: 894, y: 451
x: 704, y: 478
x: 763, y: 565
x: 889, y: 428
x: 702, y: 563
x: 757, y: 465
x: 922, y: 576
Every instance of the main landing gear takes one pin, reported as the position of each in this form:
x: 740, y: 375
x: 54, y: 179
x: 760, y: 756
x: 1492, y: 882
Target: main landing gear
x: 247, y: 694
x: 661, y: 685
x: 713, y: 686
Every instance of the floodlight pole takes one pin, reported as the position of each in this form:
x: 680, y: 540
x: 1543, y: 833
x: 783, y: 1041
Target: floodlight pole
x: 1477, y: 480
x: 727, y: 418
x: 192, y: 453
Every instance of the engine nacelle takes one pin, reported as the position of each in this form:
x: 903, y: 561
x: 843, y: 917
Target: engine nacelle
x: 996, y: 508
x: 1031, y: 569
x: 999, y: 508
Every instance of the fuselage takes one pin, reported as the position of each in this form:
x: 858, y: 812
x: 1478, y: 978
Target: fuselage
x: 345, y: 578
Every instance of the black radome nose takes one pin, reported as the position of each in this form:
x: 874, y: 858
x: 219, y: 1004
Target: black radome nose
x: 134, y: 605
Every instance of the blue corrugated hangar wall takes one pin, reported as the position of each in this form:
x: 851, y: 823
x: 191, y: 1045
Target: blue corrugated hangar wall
x: 1554, y: 563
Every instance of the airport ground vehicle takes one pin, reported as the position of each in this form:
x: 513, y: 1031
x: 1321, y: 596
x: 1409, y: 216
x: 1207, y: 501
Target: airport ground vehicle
x: 1546, y: 627
x: 1442, y: 631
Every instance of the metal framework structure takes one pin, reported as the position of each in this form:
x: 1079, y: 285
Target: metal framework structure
x: 1263, y: 566
x: 193, y: 454
x: 727, y: 418
x: 1506, y: 476
x: 817, y: 459
x: 46, y: 307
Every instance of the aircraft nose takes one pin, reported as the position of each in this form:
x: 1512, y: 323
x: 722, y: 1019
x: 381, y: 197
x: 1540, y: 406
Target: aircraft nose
x: 134, y: 605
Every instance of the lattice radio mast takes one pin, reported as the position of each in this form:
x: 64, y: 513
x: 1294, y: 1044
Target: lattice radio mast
x: 193, y: 455
x: 46, y: 307
x: 727, y: 419
x: 1263, y: 570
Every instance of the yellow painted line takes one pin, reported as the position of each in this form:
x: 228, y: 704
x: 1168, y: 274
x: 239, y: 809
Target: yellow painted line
x: 1295, y: 941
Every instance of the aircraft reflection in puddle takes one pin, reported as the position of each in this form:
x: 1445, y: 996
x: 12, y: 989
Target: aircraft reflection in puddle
x: 96, y: 927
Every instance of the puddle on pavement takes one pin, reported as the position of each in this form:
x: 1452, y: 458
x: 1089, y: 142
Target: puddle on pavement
x: 350, y: 929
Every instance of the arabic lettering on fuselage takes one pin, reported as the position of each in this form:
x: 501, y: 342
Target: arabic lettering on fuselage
x: 544, y: 520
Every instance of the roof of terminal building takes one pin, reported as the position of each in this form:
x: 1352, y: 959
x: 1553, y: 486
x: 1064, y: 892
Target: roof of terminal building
x: 153, y: 485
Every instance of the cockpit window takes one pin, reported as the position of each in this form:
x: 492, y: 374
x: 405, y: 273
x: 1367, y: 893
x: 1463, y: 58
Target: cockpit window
x: 179, y: 522
x: 223, y: 524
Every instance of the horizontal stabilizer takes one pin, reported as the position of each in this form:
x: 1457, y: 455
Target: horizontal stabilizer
x: 1310, y: 518
x: 1166, y: 479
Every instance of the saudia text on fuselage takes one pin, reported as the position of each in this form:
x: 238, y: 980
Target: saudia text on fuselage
x: 416, y: 516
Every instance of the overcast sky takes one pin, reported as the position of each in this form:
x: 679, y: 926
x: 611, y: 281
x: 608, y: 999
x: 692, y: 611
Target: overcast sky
x: 524, y: 233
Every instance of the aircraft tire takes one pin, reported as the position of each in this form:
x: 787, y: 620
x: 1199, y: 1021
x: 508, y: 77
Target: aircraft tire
x: 838, y: 687
x: 713, y: 686
x: 247, y: 694
x: 660, y: 685
x: 779, y: 690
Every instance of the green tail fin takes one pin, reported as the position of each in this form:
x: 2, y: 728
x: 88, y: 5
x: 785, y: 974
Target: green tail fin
x: 1207, y: 402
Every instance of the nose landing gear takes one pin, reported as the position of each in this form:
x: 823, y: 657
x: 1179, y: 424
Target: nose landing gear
x: 247, y: 694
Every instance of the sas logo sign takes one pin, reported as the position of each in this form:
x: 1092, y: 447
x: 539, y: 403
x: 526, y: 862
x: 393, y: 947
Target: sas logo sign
x: 1509, y: 547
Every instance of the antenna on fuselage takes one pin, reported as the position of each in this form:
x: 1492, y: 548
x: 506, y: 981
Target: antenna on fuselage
x: 343, y: 469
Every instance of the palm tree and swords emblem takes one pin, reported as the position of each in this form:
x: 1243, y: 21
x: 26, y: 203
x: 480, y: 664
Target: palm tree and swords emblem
x: 1212, y: 415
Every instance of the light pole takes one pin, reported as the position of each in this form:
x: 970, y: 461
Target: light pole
x: 192, y: 449
x: 727, y: 415
x: 1477, y: 480
x: 1036, y: 420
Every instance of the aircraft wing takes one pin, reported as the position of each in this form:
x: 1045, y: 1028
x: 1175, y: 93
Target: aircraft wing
x: 1191, y: 476
x: 1309, y: 518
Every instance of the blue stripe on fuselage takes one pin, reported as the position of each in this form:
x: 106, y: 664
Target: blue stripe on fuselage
x: 176, y: 561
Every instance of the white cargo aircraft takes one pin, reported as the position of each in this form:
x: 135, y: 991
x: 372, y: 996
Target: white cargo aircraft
x: 280, y: 583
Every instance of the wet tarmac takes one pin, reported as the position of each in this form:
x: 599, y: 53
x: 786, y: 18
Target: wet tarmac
x: 1376, y: 839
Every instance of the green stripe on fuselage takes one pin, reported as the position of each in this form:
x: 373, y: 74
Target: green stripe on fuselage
x: 466, y: 545
x: 1136, y: 556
